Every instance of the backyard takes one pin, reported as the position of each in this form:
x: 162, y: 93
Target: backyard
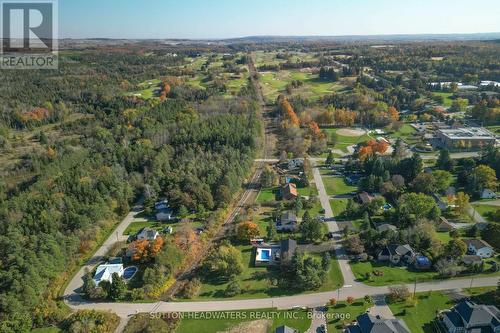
x: 256, y: 281
x: 419, y: 316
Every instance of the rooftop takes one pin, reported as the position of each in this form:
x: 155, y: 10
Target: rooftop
x: 467, y: 133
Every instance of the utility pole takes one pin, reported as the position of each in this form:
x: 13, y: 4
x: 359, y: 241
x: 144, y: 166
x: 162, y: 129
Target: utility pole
x: 471, y: 281
x: 415, y: 289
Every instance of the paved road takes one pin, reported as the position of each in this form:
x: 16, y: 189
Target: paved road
x: 351, y: 287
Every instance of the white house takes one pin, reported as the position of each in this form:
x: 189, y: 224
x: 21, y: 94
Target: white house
x: 148, y: 234
x: 163, y: 211
x: 164, y: 214
x: 479, y: 247
x: 105, y: 272
x: 488, y: 194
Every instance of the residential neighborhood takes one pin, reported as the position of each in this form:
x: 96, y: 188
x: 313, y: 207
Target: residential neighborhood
x: 225, y: 167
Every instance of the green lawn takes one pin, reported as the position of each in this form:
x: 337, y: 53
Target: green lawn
x: 255, y: 281
x: 343, y: 314
x: 266, y: 195
x: 444, y: 237
x: 307, y: 191
x: 344, y: 141
x: 487, y: 211
x: 395, y: 275
x: 134, y: 227
x: 338, y: 206
x: 297, y: 319
x: 391, y: 275
x: 46, y: 330
x: 337, y: 186
x: 446, y: 96
x: 274, y: 83
x: 419, y: 317
x: 407, y: 133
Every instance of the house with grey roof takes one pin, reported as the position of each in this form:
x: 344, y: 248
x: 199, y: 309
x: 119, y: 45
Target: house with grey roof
x: 386, y: 227
x: 469, y: 317
x: 367, y: 323
x: 397, y: 254
x: 288, y: 221
x: 479, y: 247
x: 148, y: 234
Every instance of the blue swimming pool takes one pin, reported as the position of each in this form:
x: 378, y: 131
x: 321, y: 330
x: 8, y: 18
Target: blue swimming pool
x: 129, y: 272
x: 265, y: 254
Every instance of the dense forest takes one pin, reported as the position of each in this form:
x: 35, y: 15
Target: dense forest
x: 79, y: 151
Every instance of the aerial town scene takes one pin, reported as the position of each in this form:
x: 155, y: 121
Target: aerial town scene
x: 264, y: 167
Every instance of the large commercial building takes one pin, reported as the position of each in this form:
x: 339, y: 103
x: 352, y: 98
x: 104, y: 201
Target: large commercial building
x: 465, y: 137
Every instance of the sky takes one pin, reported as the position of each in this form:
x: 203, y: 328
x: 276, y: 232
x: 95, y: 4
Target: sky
x: 206, y: 19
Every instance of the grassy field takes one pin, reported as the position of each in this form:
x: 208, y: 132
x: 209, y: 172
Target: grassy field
x: 147, y: 89
x: 274, y: 83
x: 443, y: 236
x: 338, y: 206
x: 419, y: 317
x: 407, y: 133
x: 255, y: 281
x: 395, y: 275
x: 297, y: 319
x: 266, y: 195
x: 342, y: 141
x: 342, y: 314
x: 391, y: 275
x: 337, y: 186
x: 487, y: 211
x: 446, y: 97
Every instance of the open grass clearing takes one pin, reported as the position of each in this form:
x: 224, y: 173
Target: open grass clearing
x: 418, y: 316
x: 225, y: 321
x: 255, y: 281
x: 337, y: 186
x: 342, y: 314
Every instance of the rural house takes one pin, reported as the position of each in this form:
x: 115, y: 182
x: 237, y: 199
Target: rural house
x: 488, y: 194
x: 289, y: 191
x: 274, y: 254
x: 147, y: 233
x: 287, y: 222
x: 479, y: 247
x: 367, y: 323
x: 444, y: 225
x: 397, y: 254
x: 365, y: 198
x: 105, y: 272
x: 468, y: 317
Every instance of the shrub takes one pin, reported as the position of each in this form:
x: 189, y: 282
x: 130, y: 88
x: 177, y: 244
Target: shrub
x: 192, y: 289
x: 232, y: 289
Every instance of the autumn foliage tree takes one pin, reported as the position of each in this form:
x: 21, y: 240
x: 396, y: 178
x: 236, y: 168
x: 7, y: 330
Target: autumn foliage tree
x: 165, y: 90
x: 144, y: 250
x: 247, y: 230
x: 344, y: 117
x: 393, y: 113
x: 287, y: 110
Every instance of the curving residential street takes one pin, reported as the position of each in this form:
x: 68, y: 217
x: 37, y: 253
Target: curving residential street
x: 351, y: 286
